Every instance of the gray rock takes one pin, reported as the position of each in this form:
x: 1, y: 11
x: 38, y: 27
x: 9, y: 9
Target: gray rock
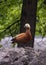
x: 22, y: 56
x: 18, y: 63
x: 42, y: 57
x: 34, y: 62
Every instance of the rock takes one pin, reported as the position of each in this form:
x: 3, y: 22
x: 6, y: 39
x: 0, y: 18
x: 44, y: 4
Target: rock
x: 42, y: 58
x: 22, y: 56
x: 18, y: 63
x: 34, y: 62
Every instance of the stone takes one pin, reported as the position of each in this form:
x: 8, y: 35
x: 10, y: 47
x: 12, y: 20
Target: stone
x: 22, y: 56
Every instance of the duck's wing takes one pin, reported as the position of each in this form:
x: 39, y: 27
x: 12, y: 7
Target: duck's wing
x: 20, y: 36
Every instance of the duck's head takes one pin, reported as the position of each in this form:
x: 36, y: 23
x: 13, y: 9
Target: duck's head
x: 27, y: 26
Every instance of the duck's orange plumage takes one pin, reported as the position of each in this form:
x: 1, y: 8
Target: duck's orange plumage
x: 23, y: 37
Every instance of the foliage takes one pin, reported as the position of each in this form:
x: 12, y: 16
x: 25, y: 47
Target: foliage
x: 11, y: 9
x: 41, y: 18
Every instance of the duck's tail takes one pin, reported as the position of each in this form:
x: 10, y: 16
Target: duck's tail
x: 13, y: 40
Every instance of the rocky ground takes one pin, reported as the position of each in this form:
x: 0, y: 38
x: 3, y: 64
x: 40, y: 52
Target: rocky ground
x: 39, y: 43
x: 22, y: 56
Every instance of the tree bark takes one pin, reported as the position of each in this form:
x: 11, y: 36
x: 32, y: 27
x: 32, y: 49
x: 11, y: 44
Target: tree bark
x: 28, y: 15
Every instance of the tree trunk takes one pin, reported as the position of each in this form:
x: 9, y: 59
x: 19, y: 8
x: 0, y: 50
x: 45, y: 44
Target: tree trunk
x: 28, y: 16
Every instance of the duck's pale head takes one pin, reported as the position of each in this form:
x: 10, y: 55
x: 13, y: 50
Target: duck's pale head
x: 27, y: 26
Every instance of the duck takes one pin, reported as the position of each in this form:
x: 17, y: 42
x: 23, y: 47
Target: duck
x: 24, y: 37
